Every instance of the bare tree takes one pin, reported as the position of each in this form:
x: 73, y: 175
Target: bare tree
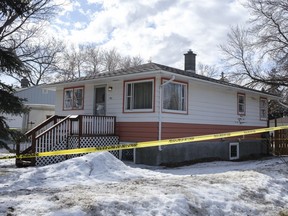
x: 16, y: 20
x: 89, y: 60
x: 207, y: 70
x: 112, y: 60
x: 270, y: 24
x: 258, y: 55
x: 93, y: 59
x: 239, y: 57
x: 40, y: 60
x: 71, y: 65
x: 128, y: 61
x: 19, y: 21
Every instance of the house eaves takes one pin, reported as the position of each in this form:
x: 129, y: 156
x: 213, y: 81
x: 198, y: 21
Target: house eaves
x: 149, y: 68
x: 152, y: 68
x: 205, y: 79
x: 230, y: 86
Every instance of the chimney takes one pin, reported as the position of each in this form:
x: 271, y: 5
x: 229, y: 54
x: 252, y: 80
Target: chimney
x: 190, y: 61
x: 24, y: 82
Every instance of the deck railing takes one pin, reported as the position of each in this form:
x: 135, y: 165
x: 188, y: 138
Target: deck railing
x: 31, y: 134
x: 100, y: 125
x: 44, y: 125
x: 55, y: 130
x: 81, y: 125
x: 53, y: 136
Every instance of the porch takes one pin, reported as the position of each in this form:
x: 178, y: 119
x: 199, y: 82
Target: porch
x: 67, y: 132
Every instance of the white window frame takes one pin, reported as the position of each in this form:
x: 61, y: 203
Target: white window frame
x: 70, y: 103
x: 184, y: 97
x: 243, y: 104
x: 237, y: 149
x: 129, y: 98
x: 265, y: 109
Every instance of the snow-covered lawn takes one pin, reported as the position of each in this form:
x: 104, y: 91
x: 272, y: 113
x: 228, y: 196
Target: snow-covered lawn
x: 100, y: 184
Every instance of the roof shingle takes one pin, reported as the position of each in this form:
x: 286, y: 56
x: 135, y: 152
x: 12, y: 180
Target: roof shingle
x: 149, y: 67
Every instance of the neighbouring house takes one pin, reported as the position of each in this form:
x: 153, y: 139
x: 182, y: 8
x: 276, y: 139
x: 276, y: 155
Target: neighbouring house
x: 41, y: 104
x: 154, y: 102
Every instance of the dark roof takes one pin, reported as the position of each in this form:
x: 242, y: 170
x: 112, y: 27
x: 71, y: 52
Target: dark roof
x: 131, y: 70
x: 150, y: 67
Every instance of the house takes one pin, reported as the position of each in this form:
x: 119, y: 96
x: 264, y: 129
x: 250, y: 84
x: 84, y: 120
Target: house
x: 154, y: 102
x: 41, y: 104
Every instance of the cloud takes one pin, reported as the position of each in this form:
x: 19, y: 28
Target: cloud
x: 160, y: 30
x: 67, y: 6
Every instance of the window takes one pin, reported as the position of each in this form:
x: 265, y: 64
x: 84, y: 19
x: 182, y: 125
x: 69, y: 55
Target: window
x: 241, y: 104
x: 175, y: 97
x: 263, y: 109
x: 233, y: 151
x: 73, y: 98
x: 139, y: 95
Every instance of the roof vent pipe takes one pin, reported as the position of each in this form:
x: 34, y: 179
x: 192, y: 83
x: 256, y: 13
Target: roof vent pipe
x: 190, y: 61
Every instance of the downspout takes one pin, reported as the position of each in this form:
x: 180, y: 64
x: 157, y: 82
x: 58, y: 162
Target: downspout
x: 160, y: 110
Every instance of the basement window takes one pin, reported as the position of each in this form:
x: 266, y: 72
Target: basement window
x: 233, y: 151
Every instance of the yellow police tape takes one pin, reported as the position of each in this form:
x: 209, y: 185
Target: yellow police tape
x: 146, y: 144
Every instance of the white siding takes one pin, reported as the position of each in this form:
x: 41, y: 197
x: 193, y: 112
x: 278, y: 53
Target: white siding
x: 37, y: 115
x: 115, y: 99
x: 218, y: 105
x: 89, y: 99
x: 59, y: 102
x: 14, y: 122
x: 207, y: 104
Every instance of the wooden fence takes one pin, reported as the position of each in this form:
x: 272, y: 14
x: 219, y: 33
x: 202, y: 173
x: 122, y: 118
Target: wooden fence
x: 279, y: 142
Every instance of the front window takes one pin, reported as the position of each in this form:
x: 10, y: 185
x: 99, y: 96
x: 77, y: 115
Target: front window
x: 241, y: 104
x: 263, y: 108
x: 139, y: 95
x: 175, y: 97
x: 73, y: 98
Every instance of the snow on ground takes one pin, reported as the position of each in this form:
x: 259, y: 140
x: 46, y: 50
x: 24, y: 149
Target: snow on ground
x: 100, y: 184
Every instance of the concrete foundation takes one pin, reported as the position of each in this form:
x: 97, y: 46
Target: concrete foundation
x: 173, y: 155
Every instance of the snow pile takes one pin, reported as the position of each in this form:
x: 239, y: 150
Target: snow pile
x: 100, y: 184
x: 95, y: 167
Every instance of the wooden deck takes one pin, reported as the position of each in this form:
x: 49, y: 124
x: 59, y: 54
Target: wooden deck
x: 66, y: 132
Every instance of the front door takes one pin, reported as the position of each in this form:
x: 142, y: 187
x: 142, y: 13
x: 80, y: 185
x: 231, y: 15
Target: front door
x: 100, y: 104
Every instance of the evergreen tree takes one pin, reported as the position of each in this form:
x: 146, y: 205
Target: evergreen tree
x: 14, y: 31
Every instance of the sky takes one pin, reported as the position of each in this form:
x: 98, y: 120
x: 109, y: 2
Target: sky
x: 161, y: 31
x: 157, y: 30
x: 100, y: 184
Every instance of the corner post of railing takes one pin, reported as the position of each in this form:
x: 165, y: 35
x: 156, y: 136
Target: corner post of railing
x: 55, y: 119
x: 80, y: 124
x: 17, y: 149
x: 114, y: 129
x: 33, y: 147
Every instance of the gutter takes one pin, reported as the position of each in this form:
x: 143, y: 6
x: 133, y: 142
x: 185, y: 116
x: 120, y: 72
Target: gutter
x: 160, y: 109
